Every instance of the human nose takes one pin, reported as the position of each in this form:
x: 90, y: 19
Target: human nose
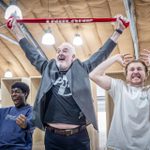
x: 60, y: 52
x: 136, y: 71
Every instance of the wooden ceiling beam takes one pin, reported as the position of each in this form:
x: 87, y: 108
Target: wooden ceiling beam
x: 26, y: 32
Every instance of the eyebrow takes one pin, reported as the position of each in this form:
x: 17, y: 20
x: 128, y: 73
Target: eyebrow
x: 137, y: 67
x: 16, y: 90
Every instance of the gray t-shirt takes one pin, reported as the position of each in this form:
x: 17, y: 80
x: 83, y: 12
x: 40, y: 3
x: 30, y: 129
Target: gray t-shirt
x: 130, y: 126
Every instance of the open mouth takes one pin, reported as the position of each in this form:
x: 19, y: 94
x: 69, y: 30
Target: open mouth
x: 136, y: 76
x: 15, y: 100
x: 61, y: 57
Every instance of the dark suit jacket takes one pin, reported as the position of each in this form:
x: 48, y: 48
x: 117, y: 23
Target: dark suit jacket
x: 77, y: 76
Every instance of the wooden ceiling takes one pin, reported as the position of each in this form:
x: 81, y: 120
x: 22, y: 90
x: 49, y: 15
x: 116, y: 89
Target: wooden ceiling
x: 93, y: 34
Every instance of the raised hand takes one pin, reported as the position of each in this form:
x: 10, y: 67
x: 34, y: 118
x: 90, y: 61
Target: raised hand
x: 15, y: 27
x: 124, y: 59
x: 145, y: 56
x: 21, y: 121
x: 127, y: 59
x: 121, y: 23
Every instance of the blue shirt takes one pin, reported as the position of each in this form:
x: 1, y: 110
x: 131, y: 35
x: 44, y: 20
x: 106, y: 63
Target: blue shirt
x: 12, y: 137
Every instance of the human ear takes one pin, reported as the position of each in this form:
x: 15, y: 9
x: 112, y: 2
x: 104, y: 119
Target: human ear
x: 124, y: 72
x: 147, y: 75
x: 73, y: 56
x: 25, y: 95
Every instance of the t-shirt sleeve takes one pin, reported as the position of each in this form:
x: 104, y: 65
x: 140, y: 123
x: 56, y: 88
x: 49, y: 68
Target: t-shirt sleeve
x: 115, y: 89
x: 3, y: 112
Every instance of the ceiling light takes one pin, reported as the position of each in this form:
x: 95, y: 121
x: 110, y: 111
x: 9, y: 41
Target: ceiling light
x: 77, y: 40
x: 8, y: 74
x: 13, y: 10
x: 48, y: 38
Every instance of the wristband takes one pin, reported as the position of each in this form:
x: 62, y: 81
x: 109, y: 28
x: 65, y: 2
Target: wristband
x: 119, y: 31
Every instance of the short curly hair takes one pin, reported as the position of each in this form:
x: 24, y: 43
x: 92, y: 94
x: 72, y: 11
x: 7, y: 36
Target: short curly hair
x: 23, y: 86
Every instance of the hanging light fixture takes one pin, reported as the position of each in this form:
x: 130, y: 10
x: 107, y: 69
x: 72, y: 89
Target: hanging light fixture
x: 77, y: 40
x: 13, y: 10
x: 8, y: 74
x: 48, y: 38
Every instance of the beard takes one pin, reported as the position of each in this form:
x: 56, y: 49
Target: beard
x: 62, y: 66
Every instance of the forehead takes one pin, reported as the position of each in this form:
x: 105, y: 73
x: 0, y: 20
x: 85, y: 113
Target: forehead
x: 63, y: 48
x: 136, y: 65
x: 16, y: 89
x: 66, y: 46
